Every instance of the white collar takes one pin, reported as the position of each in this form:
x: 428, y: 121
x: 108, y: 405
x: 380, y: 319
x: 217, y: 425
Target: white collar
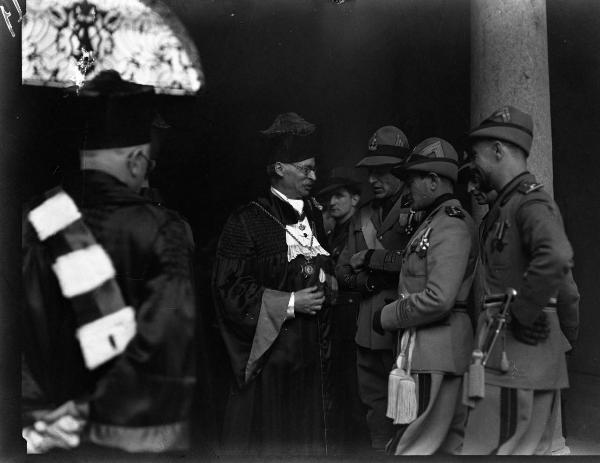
x: 297, y: 204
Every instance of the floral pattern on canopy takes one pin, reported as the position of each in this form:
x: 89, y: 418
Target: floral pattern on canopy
x: 141, y: 39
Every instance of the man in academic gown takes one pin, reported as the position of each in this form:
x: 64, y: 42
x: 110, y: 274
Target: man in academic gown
x: 270, y: 281
x: 108, y: 267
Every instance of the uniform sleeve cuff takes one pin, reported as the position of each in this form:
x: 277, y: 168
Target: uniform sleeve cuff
x: 388, y: 318
x: 368, y: 256
x: 377, y: 323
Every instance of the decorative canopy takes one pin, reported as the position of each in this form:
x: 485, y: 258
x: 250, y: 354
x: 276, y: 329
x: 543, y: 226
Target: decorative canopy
x: 141, y: 39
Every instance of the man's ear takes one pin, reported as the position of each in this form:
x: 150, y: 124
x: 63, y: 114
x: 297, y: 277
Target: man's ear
x: 354, y: 200
x: 434, y: 181
x: 134, y: 164
x: 498, y: 150
x: 279, y: 168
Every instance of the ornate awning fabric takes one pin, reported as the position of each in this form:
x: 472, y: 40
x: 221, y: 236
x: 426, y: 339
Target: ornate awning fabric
x: 141, y: 39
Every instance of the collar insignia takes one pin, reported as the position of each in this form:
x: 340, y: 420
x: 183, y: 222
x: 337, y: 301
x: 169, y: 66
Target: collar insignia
x: 454, y: 211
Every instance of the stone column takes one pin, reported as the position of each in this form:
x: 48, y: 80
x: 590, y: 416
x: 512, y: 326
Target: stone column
x: 509, y: 66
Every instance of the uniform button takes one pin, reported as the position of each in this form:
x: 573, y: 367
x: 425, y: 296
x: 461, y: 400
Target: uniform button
x: 380, y: 237
x: 350, y: 300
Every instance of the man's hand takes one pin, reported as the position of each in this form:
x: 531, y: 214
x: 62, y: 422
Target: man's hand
x: 59, y: 428
x: 308, y: 300
x: 357, y: 261
x: 532, y: 335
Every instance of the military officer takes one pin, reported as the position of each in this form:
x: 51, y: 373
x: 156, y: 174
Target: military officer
x: 523, y: 246
x: 370, y: 263
x: 435, y: 279
x: 567, y: 300
x: 568, y: 296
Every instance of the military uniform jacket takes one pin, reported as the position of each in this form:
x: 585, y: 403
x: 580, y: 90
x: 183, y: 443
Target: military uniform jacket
x: 436, y: 276
x: 524, y: 246
x: 383, y: 266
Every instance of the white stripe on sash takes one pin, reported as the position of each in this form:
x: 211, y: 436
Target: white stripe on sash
x: 83, y: 270
x: 53, y: 215
x: 106, y: 337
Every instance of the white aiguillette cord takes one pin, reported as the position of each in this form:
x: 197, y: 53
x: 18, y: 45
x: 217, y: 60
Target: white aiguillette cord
x: 408, y: 340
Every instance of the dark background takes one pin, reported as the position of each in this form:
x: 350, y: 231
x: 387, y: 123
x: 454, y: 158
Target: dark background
x: 349, y: 68
x: 573, y: 34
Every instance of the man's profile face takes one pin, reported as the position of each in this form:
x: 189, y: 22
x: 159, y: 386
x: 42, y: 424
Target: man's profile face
x: 299, y: 177
x: 341, y: 203
x: 483, y: 160
x: 383, y: 182
x: 474, y: 189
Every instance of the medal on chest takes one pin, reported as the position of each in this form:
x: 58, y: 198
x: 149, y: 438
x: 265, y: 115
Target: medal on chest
x: 498, y: 242
x: 421, y: 246
x: 307, y: 269
x: 410, y: 226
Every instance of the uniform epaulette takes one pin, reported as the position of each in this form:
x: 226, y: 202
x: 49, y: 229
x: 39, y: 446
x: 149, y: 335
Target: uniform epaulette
x: 454, y: 211
x: 529, y: 187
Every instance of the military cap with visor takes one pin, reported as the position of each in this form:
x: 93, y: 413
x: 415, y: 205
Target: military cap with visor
x: 291, y: 139
x: 506, y: 124
x: 388, y: 146
x: 431, y: 155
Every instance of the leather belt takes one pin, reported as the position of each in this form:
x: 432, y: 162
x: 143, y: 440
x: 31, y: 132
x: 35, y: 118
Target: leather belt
x: 494, y: 301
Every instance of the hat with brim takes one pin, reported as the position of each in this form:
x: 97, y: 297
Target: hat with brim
x: 431, y: 155
x: 335, y: 183
x: 507, y: 124
x: 340, y: 177
x: 388, y: 146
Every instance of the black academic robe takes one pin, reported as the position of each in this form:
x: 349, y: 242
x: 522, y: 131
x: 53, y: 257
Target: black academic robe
x: 280, y: 399
x: 139, y: 401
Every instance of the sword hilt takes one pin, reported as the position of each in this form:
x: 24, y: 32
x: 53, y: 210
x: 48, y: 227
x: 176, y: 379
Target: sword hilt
x: 509, y: 296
